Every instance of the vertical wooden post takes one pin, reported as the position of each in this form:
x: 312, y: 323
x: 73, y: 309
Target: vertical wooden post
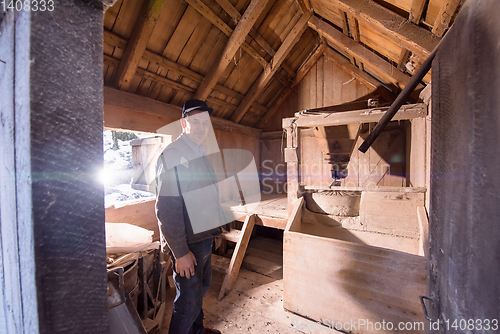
x: 292, y: 162
x: 53, y: 259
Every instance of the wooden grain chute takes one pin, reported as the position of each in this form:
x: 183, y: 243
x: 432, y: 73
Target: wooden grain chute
x: 336, y: 144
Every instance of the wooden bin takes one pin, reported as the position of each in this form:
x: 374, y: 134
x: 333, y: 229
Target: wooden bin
x: 338, y: 276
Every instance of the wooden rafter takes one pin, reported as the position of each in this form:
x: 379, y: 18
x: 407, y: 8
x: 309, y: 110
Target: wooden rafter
x: 306, y: 66
x: 137, y: 43
x: 237, y: 38
x: 261, y: 83
x: 160, y: 60
x: 359, y: 74
x: 216, y: 21
x: 233, y: 12
x: 389, y: 24
x: 371, y: 60
x: 446, y: 13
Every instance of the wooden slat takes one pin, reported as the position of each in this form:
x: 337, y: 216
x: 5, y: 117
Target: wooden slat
x: 310, y: 61
x: 235, y: 41
x: 446, y: 13
x: 417, y: 9
x: 383, y: 68
x: 392, y: 26
x: 137, y: 43
x: 237, y: 258
x: 269, y: 71
x: 361, y: 116
x: 216, y: 21
x: 114, y: 98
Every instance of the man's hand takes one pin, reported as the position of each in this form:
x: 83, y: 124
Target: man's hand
x: 184, y: 265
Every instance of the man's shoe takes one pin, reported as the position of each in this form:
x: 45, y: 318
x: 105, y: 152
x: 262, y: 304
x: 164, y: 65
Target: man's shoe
x: 212, y: 331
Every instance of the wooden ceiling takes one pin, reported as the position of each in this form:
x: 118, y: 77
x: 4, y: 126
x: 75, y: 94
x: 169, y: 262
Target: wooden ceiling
x: 245, y: 56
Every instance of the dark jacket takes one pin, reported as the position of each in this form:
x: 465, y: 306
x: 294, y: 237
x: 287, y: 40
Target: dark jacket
x: 186, y: 185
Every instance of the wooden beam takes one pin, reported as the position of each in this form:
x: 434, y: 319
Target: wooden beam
x: 378, y: 65
x: 446, y: 13
x: 389, y: 24
x: 310, y: 61
x: 216, y: 21
x: 259, y: 85
x: 150, y: 11
x: 116, y: 100
x: 160, y: 60
x: 237, y: 38
x: 417, y: 10
x: 235, y: 14
x: 408, y: 111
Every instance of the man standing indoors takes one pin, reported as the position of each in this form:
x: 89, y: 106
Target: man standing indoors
x: 183, y: 169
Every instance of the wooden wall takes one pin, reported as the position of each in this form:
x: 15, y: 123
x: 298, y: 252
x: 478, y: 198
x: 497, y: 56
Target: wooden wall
x: 326, y: 84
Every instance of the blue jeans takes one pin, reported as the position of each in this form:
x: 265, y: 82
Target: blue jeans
x: 187, y: 315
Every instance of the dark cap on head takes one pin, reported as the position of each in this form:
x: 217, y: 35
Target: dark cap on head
x: 192, y: 105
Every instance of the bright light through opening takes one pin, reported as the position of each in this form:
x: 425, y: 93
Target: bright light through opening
x: 105, y: 176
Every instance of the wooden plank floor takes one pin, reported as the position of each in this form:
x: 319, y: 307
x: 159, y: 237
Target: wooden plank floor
x: 255, y: 305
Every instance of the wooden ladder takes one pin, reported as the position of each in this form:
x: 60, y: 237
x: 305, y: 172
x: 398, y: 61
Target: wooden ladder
x: 241, y: 238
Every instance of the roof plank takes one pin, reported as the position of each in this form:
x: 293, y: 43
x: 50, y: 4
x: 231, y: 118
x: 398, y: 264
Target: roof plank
x: 237, y: 38
x: 137, y: 43
x: 270, y: 70
x: 160, y: 60
x: 391, y: 25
